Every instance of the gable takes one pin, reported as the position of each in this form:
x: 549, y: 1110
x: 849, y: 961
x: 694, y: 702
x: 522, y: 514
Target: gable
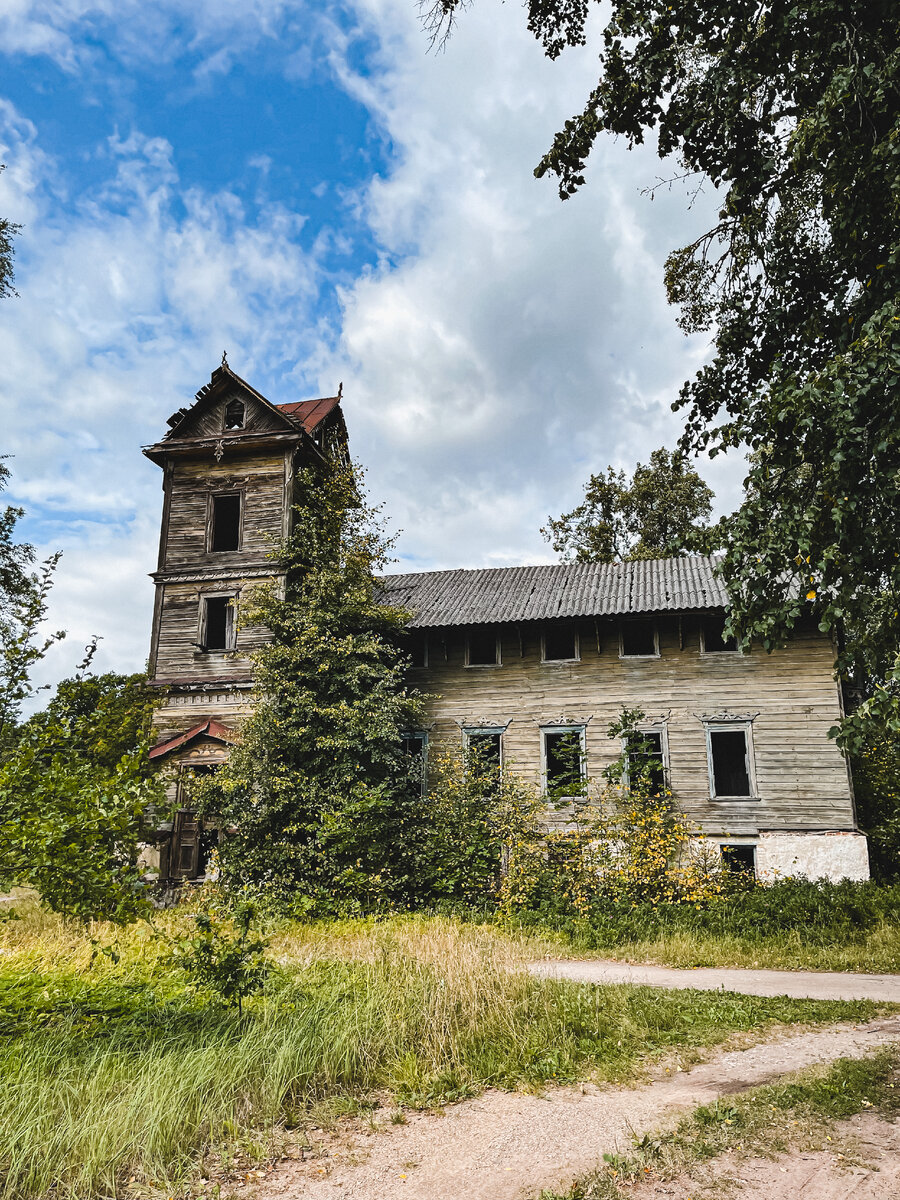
x: 206, y: 417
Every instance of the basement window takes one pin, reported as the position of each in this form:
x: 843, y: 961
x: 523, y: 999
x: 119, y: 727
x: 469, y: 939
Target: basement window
x: 234, y: 414
x: 729, y: 761
x: 483, y: 647
x: 713, y: 639
x: 645, y: 752
x: 218, y: 630
x: 639, y: 639
x: 559, y: 644
x: 564, y: 761
x: 739, y: 860
x: 225, y: 532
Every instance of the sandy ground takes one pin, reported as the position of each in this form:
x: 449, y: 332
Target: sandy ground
x: 809, y: 985
x: 864, y: 1164
x: 506, y: 1146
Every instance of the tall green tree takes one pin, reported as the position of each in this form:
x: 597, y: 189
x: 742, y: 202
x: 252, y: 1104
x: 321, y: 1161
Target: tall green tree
x: 324, y: 806
x: 8, y: 231
x: 790, y: 114
x: 658, y: 512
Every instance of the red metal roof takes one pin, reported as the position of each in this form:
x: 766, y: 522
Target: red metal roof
x: 310, y: 412
x: 213, y: 729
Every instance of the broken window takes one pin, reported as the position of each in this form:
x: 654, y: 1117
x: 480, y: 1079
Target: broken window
x: 645, y: 757
x: 739, y: 859
x: 486, y: 746
x: 560, y: 643
x: 564, y: 761
x: 219, y: 631
x: 482, y: 647
x: 415, y: 747
x: 729, y: 761
x: 226, y: 522
x: 639, y: 639
x: 418, y: 649
x: 234, y: 414
x: 712, y: 636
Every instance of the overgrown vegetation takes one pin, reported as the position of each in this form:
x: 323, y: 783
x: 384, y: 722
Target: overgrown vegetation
x: 117, y: 1072
x: 795, y: 1113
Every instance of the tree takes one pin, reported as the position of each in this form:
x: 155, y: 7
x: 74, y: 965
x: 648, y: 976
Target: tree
x: 656, y: 514
x: 325, y: 809
x: 8, y: 231
x: 791, y: 113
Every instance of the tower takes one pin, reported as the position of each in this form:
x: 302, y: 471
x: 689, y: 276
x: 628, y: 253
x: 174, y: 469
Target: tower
x: 229, y: 462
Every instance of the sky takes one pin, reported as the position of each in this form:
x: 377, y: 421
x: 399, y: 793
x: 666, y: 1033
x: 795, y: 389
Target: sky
x: 312, y: 188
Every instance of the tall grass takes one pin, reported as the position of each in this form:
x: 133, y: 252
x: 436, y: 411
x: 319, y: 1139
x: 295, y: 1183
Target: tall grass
x: 113, y: 1072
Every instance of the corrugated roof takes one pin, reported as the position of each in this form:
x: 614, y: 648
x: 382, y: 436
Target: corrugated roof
x: 310, y: 412
x: 497, y: 594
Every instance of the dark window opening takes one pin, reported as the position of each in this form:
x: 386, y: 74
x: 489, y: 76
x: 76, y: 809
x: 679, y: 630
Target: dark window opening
x: 226, y: 522
x: 714, y: 640
x: 219, y: 631
x: 564, y: 758
x: 731, y: 775
x: 483, y: 648
x: 413, y: 743
x: 418, y: 650
x: 234, y: 414
x: 484, y: 746
x: 739, y: 859
x: 560, y: 643
x: 645, y: 758
x: 638, y: 639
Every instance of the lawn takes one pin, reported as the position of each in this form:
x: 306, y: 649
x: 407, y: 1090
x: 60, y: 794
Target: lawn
x: 116, y: 1076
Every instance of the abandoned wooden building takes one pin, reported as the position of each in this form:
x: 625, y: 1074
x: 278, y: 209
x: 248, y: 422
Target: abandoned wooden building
x: 514, y: 658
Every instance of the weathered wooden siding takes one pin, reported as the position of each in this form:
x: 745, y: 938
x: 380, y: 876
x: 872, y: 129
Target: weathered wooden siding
x: 209, y: 421
x: 180, y: 712
x: 261, y: 481
x: 178, y: 655
x: 801, y: 777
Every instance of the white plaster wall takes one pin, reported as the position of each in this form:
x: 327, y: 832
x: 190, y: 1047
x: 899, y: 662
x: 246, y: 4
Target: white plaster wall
x: 833, y: 856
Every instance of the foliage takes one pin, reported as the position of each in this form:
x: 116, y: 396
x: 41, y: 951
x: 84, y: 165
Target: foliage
x: 116, y: 1079
x: 655, y: 514
x: 23, y: 608
x: 327, y: 809
x: 791, y: 114
x: 225, y: 955
x: 876, y: 779
x: 109, y: 714
x: 8, y: 230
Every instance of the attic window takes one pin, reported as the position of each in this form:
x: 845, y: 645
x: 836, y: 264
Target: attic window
x: 713, y: 639
x: 639, y: 639
x: 483, y: 647
x: 226, y: 522
x: 560, y: 644
x: 234, y: 414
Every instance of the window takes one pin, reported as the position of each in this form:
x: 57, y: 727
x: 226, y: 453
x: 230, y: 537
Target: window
x: 639, y: 639
x: 483, y: 647
x: 486, y: 744
x: 218, y: 626
x: 729, y: 760
x: 564, y: 761
x: 234, y: 414
x: 225, y: 524
x: 415, y: 747
x: 559, y: 644
x: 418, y: 648
x: 712, y: 637
x: 741, y: 860
x: 646, y: 750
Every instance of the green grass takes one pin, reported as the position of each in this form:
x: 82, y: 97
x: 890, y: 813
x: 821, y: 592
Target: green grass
x: 112, y: 1071
x: 767, y: 1120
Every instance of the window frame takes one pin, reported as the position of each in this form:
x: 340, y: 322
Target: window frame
x: 746, y: 727
x: 424, y: 664
x: 552, y: 662
x: 704, y: 653
x: 226, y: 428
x: 231, y: 629
x: 498, y: 661
x: 735, y: 845
x: 421, y: 735
x: 211, y: 520
x: 545, y: 729
x: 639, y: 657
x: 662, y: 728
x: 468, y: 731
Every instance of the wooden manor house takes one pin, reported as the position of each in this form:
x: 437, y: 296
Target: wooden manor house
x: 514, y: 658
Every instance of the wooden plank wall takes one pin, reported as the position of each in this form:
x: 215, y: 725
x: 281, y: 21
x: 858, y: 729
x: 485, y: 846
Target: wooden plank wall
x: 209, y: 421
x: 801, y: 776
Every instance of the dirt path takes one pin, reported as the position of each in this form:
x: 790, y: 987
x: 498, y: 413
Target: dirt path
x: 505, y: 1146
x: 809, y: 985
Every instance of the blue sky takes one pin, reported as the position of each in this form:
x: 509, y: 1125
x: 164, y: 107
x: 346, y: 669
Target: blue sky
x: 310, y: 188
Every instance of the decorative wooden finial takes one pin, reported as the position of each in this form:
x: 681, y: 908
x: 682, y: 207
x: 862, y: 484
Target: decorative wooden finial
x: 224, y: 358
x: 340, y: 389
